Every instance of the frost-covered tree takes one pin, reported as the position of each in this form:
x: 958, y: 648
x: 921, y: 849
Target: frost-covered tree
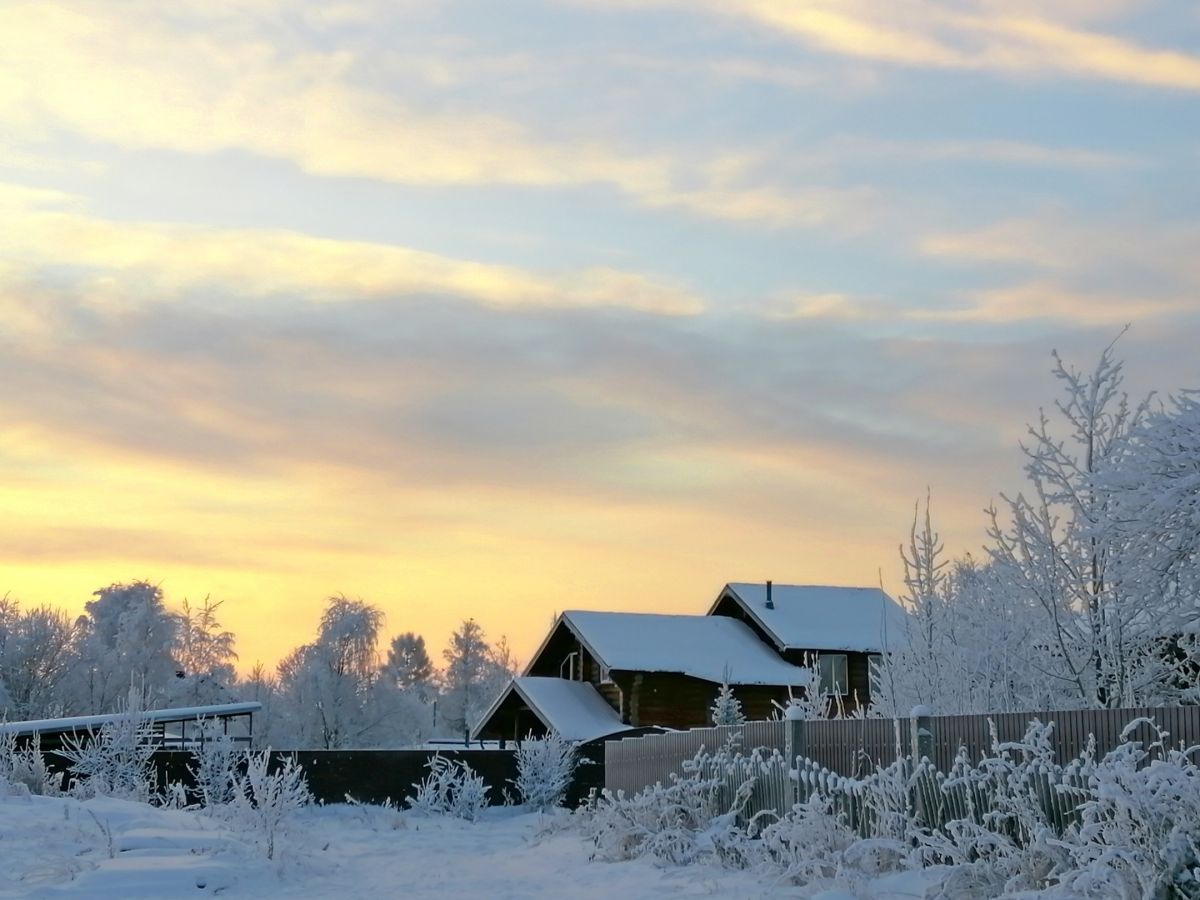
x: 1056, y: 542
x: 205, y: 654
x: 126, y: 635
x: 330, y: 694
x: 968, y: 645
x: 270, y: 726
x: 408, y: 664
x: 727, y: 709
x: 475, y: 674
x: 1153, y: 492
x: 349, y: 636
x: 37, y: 654
x: 1088, y: 596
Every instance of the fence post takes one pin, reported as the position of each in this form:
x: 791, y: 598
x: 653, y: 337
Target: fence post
x: 922, y: 733
x: 794, y: 747
x: 921, y: 725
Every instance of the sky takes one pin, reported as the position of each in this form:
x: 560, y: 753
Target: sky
x: 498, y: 309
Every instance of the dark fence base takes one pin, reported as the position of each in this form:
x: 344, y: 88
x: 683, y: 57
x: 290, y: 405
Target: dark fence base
x: 378, y: 776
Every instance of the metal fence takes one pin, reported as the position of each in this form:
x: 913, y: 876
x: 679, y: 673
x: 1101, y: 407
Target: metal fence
x: 1072, y: 729
x: 854, y: 747
x: 635, y: 763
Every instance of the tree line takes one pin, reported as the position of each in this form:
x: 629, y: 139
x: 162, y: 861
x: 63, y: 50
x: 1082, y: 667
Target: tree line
x: 338, y: 690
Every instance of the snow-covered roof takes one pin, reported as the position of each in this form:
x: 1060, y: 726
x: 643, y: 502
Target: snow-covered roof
x: 701, y: 646
x: 573, y: 709
x: 151, y: 716
x: 819, y: 617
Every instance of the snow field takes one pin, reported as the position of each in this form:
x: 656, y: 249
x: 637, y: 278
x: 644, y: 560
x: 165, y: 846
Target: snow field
x: 59, y: 847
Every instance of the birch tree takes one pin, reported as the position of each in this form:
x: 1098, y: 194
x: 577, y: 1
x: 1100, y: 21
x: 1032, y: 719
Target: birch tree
x: 1056, y: 540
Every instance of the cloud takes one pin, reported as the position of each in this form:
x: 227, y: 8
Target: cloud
x: 1047, y: 301
x: 149, y: 85
x: 979, y: 36
x: 829, y: 306
x: 248, y: 86
x: 1002, y: 152
x: 1158, y: 251
x: 120, y: 262
x: 849, y: 209
x: 1010, y: 241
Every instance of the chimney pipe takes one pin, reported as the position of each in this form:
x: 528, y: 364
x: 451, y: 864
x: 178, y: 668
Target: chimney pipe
x: 770, y: 602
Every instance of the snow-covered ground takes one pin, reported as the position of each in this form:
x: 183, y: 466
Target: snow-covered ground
x: 106, y: 849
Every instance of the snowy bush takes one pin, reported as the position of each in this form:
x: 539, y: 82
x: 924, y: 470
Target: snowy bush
x: 1013, y: 823
x: 809, y: 842
x: 263, y: 800
x: 116, y: 761
x: 452, y: 788
x: 23, y: 769
x: 1139, y: 832
x: 544, y: 770
x: 695, y: 813
x: 214, y: 770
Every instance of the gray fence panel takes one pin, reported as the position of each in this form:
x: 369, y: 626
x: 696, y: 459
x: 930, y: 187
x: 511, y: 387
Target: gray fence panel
x: 853, y: 747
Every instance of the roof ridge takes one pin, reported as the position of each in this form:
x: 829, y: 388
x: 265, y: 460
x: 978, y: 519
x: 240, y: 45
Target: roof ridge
x: 784, y: 584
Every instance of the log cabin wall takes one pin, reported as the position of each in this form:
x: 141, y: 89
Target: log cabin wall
x: 672, y: 700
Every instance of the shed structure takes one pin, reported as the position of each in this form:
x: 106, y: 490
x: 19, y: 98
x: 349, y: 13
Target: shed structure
x: 170, y: 728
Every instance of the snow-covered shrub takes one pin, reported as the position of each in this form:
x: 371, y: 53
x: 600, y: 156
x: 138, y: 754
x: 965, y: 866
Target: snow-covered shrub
x: 263, y: 800
x: 1139, y: 831
x: 452, y: 788
x: 1002, y: 820
x: 116, y: 761
x: 24, y: 768
x: 998, y: 822
x: 695, y: 813
x: 544, y: 770
x: 214, y: 770
x: 810, y: 841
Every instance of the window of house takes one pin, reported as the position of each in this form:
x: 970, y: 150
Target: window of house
x: 605, y: 675
x: 833, y: 673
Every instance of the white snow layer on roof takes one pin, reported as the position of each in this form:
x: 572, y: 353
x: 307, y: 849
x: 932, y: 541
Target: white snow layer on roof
x: 574, y: 709
x: 83, y: 723
x: 701, y: 646
x: 812, y: 617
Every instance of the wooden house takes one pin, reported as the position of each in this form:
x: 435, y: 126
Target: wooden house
x: 651, y: 670
x: 642, y: 670
x: 841, y: 631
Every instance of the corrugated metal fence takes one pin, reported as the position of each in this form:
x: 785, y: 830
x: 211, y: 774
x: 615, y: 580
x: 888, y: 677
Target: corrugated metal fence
x: 853, y: 747
x: 1071, y: 730
x: 637, y: 762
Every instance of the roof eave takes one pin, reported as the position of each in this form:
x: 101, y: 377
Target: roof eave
x: 730, y: 591
x: 496, y: 704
